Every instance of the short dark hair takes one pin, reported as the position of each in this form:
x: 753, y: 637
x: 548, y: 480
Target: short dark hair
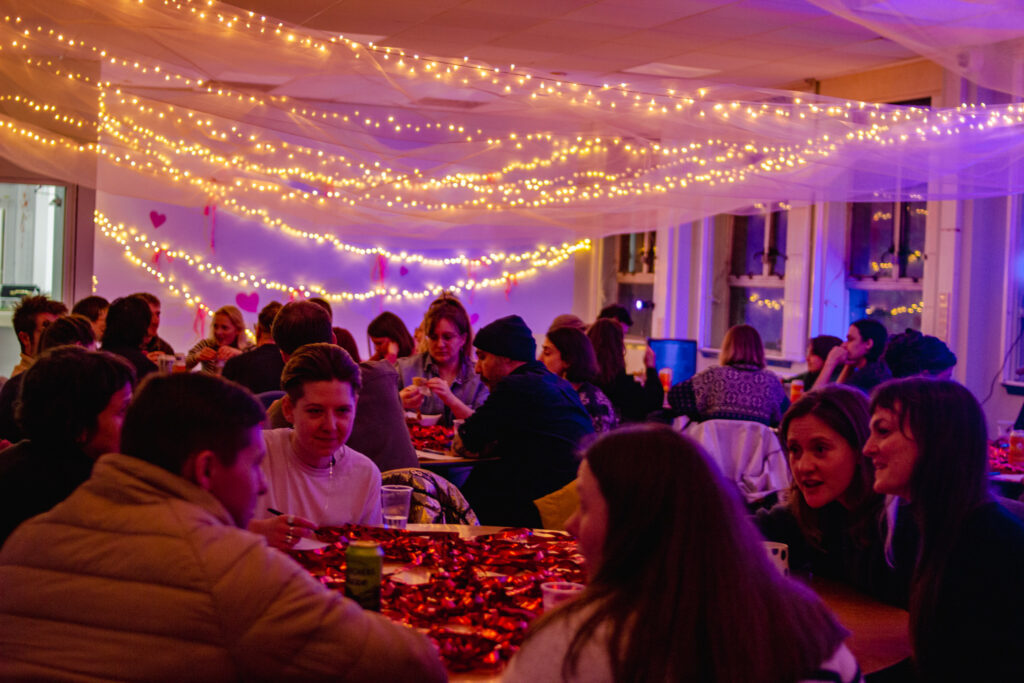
x: 127, y: 322
x: 870, y: 328
x: 148, y: 298
x: 64, y: 392
x: 24, y: 318
x: 912, y: 353
x: 319, y: 363
x: 616, y: 312
x: 68, y: 329
x: 389, y: 325
x: 577, y: 352
x: 322, y: 303
x: 91, y: 307
x: 267, y: 314
x: 299, y: 323
x: 175, y: 416
x: 822, y: 344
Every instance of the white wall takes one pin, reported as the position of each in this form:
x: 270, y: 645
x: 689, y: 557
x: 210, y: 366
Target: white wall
x: 247, y: 246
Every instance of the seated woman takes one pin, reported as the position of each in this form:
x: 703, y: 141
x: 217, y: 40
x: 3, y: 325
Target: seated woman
x: 226, y: 340
x: 390, y: 338
x: 568, y: 353
x: 680, y: 587
x: 817, y: 352
x: 928, y: 443
x: 740, y: 388
x: 72, y: 403
x: 633, y: 402
x: 859, y: 358
x: 128, y: 320
x: 833, y: 521
x: 441, y: 380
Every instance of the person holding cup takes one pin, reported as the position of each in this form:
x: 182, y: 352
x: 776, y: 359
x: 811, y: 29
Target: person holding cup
x: 833, y: 522
x: 679, y: 588
x: 447, y: 384
x: 929, y: 446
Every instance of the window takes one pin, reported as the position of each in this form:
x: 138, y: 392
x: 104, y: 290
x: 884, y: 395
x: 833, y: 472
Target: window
x: 886, y: 262
x: 756, y: 276
x: 634, y: 278
x: 31, y: 241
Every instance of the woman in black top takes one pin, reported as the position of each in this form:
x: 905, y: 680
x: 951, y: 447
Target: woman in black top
x: 633, y: 402
x: 928, y: 443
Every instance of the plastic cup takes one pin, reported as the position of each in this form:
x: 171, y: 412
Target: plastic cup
x: 166, y: 364
x: 394, y: 503
x: 778, y: 553
x: 557, y: 592
x: 796, y: 390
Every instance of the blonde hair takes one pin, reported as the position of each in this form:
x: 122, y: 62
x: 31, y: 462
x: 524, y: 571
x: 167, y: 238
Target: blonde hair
x: 742, y: 344
x: 235, y: 316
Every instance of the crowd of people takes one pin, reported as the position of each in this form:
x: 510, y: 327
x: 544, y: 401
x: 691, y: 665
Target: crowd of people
x: 141, y: 511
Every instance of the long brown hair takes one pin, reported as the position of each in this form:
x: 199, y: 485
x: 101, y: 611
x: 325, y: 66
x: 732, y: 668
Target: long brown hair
x: 845, y: 410
x: 950, y: 478
x: 688, y: 565
x: 610, y: 348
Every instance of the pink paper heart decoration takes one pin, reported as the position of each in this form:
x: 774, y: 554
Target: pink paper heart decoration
x: 157, y: 219
x: 474, y: 318
x: 403, y: 271
x: 248, y: 302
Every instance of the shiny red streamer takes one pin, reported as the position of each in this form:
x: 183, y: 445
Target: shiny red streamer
x: 481, y: 594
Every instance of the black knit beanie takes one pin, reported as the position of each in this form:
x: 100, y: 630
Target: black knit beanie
x: 508, y: 337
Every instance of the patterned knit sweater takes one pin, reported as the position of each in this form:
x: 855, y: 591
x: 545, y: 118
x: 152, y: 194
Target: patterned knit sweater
x: 731, y: 392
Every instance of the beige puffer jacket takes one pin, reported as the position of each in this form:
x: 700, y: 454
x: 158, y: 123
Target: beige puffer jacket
x: 140, y: 575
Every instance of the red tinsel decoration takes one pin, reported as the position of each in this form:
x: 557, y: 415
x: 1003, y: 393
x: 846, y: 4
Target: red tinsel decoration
x: 479, y: 596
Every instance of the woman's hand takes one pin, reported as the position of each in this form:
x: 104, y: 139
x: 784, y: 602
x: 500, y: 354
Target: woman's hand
x: 227, y: 352
x: 283, y: 531
x: 208, y: 354
x: 441, y: 390
x: 412, y: 397
x: 649, y: 358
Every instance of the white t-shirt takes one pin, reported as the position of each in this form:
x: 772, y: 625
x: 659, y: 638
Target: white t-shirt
x: 349, y: 495
x: 541, y: 658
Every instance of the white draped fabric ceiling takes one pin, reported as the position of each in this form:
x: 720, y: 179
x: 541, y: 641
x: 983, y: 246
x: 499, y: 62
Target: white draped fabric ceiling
x: 199, y: 103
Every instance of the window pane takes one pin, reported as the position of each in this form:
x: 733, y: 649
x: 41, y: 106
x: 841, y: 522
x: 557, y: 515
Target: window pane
x: 760, y: 307
x: 629, y: 295
x: 871, y: 239
x: 896, y: 309
x: 913, y: 217
x: 32, y: 238
x: 747, y: 245
x: 777, y: 242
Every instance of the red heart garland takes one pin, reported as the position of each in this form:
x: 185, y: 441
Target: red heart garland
x: 248, y: 302
x: 157, y: 219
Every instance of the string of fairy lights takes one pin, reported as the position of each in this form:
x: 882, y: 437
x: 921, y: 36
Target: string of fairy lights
x: 145, y: 253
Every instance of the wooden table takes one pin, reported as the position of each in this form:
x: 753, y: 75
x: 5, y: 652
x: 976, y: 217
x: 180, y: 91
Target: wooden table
x: 879, y: 635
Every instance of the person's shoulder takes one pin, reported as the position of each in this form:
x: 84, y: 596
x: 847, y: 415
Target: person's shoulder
x: 357, y: 462
x: 841, y: 667
x: 277, y: 439
x: 374, y: 369
x: 20, y: 456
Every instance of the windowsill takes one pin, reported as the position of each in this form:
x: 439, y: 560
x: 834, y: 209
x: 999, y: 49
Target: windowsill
x: 773, y: 361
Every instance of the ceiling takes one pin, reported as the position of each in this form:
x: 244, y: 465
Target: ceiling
x: 754, y: 43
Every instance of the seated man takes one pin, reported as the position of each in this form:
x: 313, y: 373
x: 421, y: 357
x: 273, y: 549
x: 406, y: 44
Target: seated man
x: 68, y: 329
x: 532, y: 422
x: 31, y: 316
x: 312, y: 476
x: 379, y: 430
x: 72, y: 402
x: 152, y: 344
x: 259, y: 367
x: 143, y: 573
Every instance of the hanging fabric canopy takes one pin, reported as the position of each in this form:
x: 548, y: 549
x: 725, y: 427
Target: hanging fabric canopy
x: 199, y: 103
